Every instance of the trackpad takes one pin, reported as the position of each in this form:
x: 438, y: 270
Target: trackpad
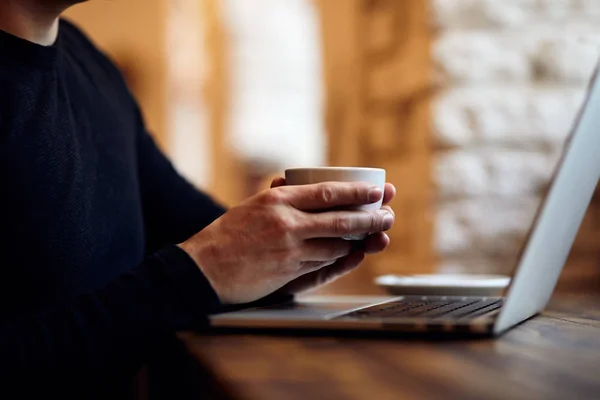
x: 321, y: 307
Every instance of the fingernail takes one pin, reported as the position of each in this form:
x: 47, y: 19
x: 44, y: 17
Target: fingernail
x: 388, y: 219
x: 375, y: 194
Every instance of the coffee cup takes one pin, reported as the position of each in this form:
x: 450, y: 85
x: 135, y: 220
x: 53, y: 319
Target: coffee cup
x: 307, y: 176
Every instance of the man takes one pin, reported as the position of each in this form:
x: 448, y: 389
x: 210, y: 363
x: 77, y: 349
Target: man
x: 105, y: 249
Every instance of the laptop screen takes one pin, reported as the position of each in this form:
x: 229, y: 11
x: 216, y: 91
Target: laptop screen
x: 559, y: 216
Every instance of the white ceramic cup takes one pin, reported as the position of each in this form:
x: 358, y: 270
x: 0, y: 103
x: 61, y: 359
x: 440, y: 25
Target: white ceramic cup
x: 307, y: 176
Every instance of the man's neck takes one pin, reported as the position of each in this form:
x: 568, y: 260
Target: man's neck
x: 33, y: 20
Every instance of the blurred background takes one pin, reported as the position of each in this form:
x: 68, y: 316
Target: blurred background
x: 465, y: 103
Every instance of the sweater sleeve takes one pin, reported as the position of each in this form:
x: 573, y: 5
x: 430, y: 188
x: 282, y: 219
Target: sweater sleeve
x: 174, y: 209
x: 109, y: 331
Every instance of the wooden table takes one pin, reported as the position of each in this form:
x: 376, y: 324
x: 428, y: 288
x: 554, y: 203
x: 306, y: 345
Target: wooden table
x: 553, y: 356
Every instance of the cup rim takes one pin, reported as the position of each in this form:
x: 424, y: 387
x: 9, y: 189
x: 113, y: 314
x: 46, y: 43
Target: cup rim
x: 304, y: 169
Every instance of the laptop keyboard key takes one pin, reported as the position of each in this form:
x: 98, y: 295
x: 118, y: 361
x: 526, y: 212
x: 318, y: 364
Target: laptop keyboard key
x: 441, y: 311
x: 473, y: 308
x: 447, y: 309
x: 417, y: 311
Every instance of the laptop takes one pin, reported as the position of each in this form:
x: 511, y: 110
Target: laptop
x: 534, y: 278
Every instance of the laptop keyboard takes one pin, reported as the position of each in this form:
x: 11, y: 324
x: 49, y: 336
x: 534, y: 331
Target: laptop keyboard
x: 429, y: 308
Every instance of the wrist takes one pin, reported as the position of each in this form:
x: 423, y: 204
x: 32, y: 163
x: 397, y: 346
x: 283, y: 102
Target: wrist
x: 198, y: 253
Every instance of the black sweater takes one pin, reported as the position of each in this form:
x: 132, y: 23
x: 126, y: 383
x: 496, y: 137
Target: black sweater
x: 90, y: 211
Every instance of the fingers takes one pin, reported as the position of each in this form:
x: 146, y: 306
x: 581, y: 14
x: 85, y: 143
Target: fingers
x: 324, y: 275
x: 389, y: 193
x: 343, y: 223
x: 389, y: 209
x: 376, y: 243
x: 326, y: 195
x: 277, y: 182
x: 315, y: 265
x: 319, y: 253
x: 325, y: 249
x: 347, y: 264
x: 328, y: 274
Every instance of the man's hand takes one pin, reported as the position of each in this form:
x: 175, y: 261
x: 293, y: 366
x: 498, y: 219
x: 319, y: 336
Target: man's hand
x: 277, y: 236
x: 374, y: 243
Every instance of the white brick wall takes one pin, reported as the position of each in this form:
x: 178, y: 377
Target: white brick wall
x: 493, y: 14
x: 513, y: 74
x: 519, y: 114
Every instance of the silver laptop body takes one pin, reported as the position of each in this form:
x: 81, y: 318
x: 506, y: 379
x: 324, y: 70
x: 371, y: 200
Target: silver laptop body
x: 536, y: 273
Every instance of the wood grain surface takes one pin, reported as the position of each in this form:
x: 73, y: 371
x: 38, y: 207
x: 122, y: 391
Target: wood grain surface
x: 553, y: 356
